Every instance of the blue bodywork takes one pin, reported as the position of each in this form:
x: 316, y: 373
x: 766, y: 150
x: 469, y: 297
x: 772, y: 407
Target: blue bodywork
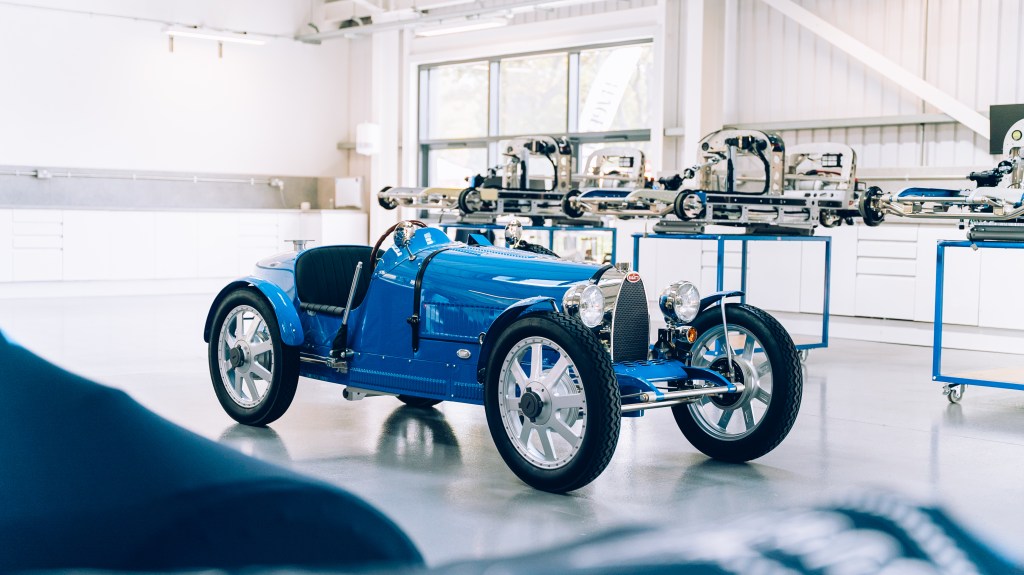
x: 470, y: 294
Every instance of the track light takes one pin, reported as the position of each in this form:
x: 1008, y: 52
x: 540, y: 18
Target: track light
x: 213, y: 35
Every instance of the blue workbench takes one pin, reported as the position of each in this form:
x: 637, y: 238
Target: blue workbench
x: 721, y: 239
x: 955, y: 384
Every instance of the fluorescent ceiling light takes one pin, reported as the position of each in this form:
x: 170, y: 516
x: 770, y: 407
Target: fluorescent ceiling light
x: 234, y: 37
x: 465, y: 26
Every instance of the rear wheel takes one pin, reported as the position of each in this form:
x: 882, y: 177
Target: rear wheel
x: 552, y: 402
x: 745, y: 425
x: 254, y: 374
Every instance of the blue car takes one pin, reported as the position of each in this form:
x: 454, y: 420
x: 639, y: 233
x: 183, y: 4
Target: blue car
x: 557, y: 352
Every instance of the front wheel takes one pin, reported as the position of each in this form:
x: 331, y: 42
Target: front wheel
x: 552, y: 402
x: 254, y: 373
x: 741, y: 426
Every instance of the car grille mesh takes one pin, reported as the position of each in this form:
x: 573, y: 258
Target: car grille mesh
x: 630, y: 323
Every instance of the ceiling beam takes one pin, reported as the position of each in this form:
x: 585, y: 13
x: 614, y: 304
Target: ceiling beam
x: 876, y: 61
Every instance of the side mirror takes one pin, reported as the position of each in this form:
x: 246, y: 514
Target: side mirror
x: 513, y: 233
x: 404, y: 233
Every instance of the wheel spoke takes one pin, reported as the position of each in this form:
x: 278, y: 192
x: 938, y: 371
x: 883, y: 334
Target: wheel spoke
x: 251, y: 385
x: 262, y: 372
x: 748, y: 417
x: 723, y: 421
x: 764, y: 369
x: 567, y: 401
x: 559, y: 427
x: 545, y: 443
x: 520, y: 376
x: 236, y: 383
x: 556, y: 372
x: 748, y: 348
x: 256, y: 326
x: 763, y: 395
x: 536, y: 361
x: 261, y: 347
x: 524, y: 435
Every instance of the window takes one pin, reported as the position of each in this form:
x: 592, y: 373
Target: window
x: 533, y: 94
x: 458, y: 105
x: 614, y: 88
x: 595, y: 95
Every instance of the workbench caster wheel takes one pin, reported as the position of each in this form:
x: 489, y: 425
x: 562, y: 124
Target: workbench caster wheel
x: 954, y: 393
x: 804, y: 354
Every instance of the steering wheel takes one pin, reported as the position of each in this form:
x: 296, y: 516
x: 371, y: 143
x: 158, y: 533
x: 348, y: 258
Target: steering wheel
x: 376, y: 246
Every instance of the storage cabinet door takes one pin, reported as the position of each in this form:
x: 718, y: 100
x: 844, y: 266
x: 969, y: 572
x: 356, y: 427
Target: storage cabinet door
x: 886, y: 272
x: 36, y: 245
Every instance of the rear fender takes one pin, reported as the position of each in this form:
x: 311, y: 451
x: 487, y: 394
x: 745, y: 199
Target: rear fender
x: 284, y: 310
x: 505, y: 319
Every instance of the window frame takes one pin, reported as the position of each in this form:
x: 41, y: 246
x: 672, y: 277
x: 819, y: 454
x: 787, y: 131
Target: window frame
x: 490, y: 142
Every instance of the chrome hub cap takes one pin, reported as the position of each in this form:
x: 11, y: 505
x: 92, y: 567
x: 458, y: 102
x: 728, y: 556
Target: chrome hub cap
x: 733, y: 416
x: 542, y: 402
x: 246, y: 356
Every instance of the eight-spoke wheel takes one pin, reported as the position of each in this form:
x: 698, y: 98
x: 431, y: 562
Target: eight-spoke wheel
x: 748, y: 424
x: 254, y: 374
x: 552, y: 402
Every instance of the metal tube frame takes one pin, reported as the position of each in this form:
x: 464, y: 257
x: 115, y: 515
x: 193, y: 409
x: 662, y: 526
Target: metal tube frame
x: 721, y: 239
x: 940, y: 272
x: 676, y: 397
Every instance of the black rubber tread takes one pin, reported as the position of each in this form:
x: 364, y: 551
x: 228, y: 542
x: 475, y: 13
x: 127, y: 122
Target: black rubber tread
x: 567, y: 207
x: 787, y: 387
x: 463, y: 202
x: 535, y: 249
x: 422, y: 402
x: 677, y: 208
x: 869, y: 215
x: 604, y: 407
x: 286, y: 366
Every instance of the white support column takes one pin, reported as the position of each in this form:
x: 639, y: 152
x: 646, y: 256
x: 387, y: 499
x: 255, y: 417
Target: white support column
x: 705, y: 33
x: 884, y: 66
x: 386, y: 112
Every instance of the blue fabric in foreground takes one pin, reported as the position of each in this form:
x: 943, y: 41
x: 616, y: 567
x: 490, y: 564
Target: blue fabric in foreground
x: 91, y: 479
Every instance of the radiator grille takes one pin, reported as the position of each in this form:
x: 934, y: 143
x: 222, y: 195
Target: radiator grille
x: 630, y: 323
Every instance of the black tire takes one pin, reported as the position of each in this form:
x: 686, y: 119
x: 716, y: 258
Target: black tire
x: 420, y: 402
x: 535, y: 249
x: 678, y: 206
x: 829, y: 219
x: 283, y: 369
x: 600, y: 402
x: 783, y: 403
x: 868, y: 213
x: 469, y: 201
x: 386, y: 203
x: 569, y: 208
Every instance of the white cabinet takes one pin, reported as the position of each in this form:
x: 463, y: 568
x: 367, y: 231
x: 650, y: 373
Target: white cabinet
x: 176, y: 245
x: 6, y: 245
x: 886, y: 272
x: 774, y: 274
x: 36, y: 245
x: 1002, y: 275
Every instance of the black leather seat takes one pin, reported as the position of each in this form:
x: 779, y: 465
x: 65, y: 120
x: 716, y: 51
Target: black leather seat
x: 323, y: 277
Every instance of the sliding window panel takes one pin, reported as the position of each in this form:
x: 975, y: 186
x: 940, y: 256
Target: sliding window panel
x: 457, y: 101
x: 533, y: 96
x: 615, y: 88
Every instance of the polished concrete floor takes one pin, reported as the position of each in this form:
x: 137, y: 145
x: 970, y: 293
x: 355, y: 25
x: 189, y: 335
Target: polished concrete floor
x: 871, y: 418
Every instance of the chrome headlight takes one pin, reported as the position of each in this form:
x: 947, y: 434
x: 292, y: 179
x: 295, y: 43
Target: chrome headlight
x: 585, y: 301
x: 680, y: 302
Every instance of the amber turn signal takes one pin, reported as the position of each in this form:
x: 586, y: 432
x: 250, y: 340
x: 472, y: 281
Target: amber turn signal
x: 691, y: 335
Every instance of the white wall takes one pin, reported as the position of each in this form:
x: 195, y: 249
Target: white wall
x: 97, y: 92
x: 970, y: 49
